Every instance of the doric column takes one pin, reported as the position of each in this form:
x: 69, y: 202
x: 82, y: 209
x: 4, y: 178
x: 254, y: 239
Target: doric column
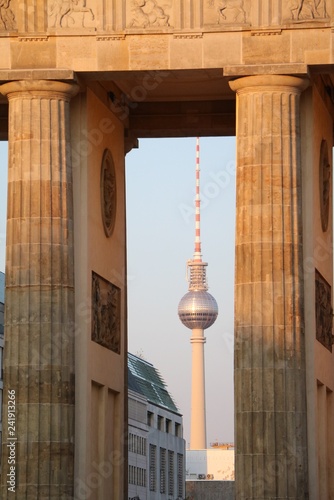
x: 270, y: 391
x: 39, y: 309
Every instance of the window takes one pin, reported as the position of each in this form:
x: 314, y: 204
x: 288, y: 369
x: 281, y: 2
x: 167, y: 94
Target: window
x: 150, y: 419
x: 143, y: 446
x: 152, y: 464
x: 137, y: 476
x: 178, y: 430
x: 180, y: 479
x: 170, y: 472
x: 130, y: 446
x: 160, y: 423
x: 137, y: 444
x: 168, y: 425
x: 131, y: 474
x: 163, y: 470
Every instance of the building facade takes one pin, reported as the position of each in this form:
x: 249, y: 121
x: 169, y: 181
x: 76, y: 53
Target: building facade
x: 156, y: 447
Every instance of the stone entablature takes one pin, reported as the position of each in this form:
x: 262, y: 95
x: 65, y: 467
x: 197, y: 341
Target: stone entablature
x: 161, y: 15
x: 145, y: 35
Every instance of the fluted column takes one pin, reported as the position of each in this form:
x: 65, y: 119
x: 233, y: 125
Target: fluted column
x: 39, y: 314
x: 198, y: 413
x: 270, y: 391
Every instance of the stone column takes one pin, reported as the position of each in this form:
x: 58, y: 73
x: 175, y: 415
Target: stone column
x: 39, y: 309
x: 270, y: 390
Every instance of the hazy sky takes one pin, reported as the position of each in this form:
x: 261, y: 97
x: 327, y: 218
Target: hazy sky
x: 160, y: 232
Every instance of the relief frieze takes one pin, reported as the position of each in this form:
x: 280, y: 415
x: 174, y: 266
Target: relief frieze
x: 323, y: 311
x: 117, y: 16
x: 70, y: 14
x: 106, y: 313
x: 7, y: 17
x: 325, y: 181
x: 148, y: 14
x: 306, y: 10
x: 226, y: 12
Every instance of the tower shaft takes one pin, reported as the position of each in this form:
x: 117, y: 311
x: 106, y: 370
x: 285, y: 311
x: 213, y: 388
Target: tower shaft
x: 198, y: 410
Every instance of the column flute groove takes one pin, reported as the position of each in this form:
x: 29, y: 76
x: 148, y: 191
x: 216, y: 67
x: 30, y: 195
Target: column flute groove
x: 271, y: 444
x: 39, y: 309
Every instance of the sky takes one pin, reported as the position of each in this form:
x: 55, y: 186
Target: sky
x: 160, y: 179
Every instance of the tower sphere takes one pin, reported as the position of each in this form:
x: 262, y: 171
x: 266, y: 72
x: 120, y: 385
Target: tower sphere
x: 198, y: 309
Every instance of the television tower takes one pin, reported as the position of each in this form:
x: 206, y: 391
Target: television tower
x: 197, y: 310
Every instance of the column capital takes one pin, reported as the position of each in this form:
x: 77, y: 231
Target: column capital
x: 269, y: 82
x: 51, y: 89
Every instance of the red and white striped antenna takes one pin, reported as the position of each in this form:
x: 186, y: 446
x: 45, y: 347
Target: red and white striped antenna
x: 197, y: 253
x: 196, y: 268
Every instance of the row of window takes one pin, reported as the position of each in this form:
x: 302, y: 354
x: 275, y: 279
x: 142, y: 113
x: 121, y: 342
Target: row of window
x: 164, y: 424
x: 137, y: 444
x: 137, y: 476
x: 166, y: 471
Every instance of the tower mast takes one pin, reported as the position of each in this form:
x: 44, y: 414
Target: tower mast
x: 197, y: 252
x: 197, y: 310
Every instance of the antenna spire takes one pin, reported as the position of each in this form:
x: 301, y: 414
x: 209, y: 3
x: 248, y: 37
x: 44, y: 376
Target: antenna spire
x: 197, y: 252
x: 196, y: 267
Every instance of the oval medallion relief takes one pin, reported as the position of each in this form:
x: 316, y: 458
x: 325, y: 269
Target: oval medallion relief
x: 325, y: 176
x: 108, y: 193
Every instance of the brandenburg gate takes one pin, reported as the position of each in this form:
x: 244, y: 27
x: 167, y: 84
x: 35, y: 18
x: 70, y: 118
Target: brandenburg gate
x: 81, y: 81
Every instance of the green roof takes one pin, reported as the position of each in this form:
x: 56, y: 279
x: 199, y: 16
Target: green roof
x: 146, y: 380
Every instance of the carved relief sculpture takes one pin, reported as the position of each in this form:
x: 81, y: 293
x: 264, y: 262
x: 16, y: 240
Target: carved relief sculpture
x: 325, y: 179
x: 69, y: 13
x: 106, y: 313
x: 148, y: 13
x: 7, y: 18
x: 307, y: 9
x: 323, y: 311
x: 231, y: 11
x: 108, y: 193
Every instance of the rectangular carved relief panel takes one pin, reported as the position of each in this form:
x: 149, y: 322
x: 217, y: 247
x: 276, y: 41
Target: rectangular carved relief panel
x: 73, y: 14
x: 323, y: 311
x: 226, y: 13
x: 8, y: 17
x: 148, y: 14
x: 305, y: 11
x: 106, y: 313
